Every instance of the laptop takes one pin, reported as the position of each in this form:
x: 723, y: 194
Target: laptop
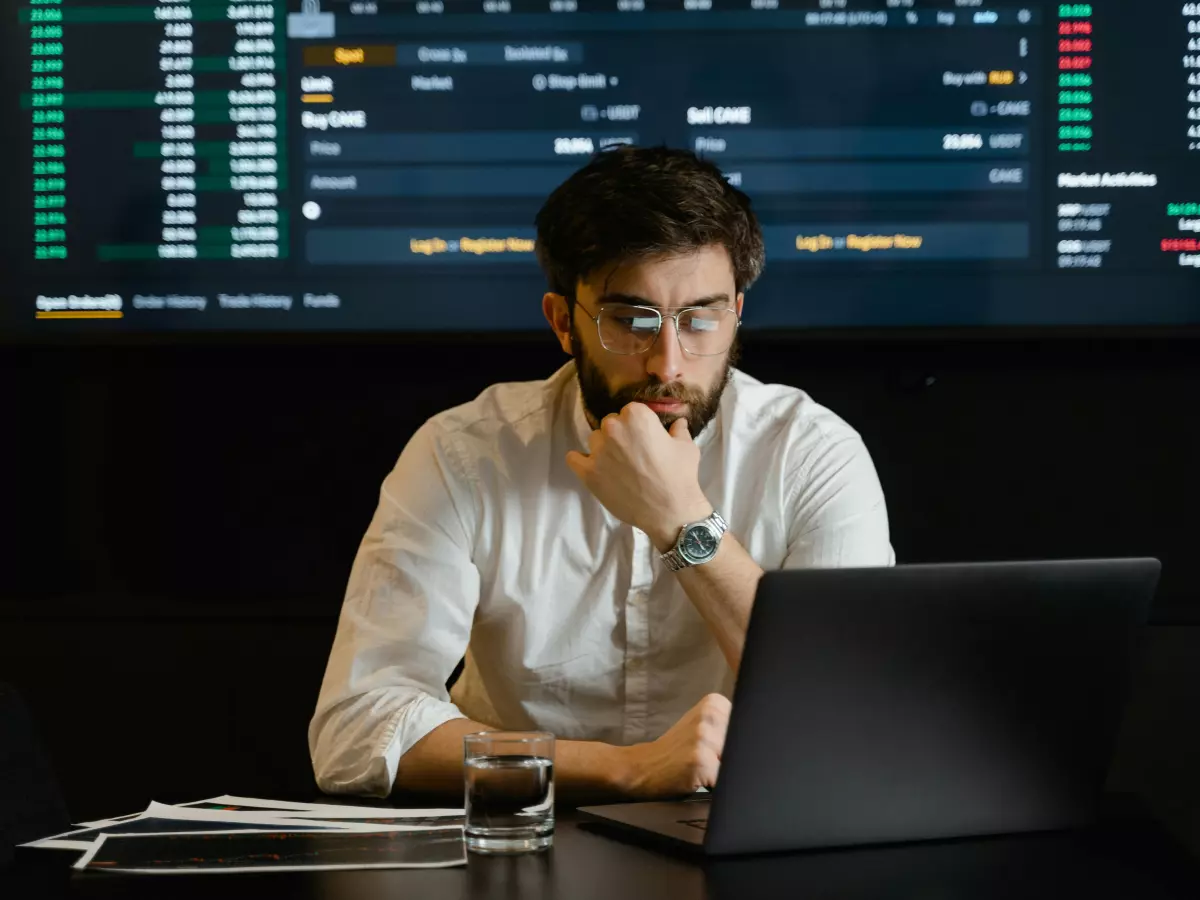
x: 915, y: 703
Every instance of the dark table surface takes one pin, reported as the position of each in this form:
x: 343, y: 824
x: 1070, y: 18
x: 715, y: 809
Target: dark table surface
x: 1129, y: 858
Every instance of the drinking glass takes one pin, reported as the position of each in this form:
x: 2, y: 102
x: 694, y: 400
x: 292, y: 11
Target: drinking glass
x: 509, y: 786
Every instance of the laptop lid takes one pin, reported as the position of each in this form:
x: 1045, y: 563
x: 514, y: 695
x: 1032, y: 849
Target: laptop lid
x: 926, y: 701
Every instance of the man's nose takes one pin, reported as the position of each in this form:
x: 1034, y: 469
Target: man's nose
x: 665, y: 359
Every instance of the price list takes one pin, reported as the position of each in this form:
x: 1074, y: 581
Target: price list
x: 191, y: 117
x: 1075, y: 79
x: 45, y: 101
x: 1184, y: 216
x: 1191, y: 68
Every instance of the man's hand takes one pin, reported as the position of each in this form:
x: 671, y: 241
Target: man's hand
x: 644, y: 475
x: 687, y: 757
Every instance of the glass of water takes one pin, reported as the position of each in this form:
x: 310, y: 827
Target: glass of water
x: 509, y: 791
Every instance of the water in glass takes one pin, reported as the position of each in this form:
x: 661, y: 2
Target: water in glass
x: 509, y: 803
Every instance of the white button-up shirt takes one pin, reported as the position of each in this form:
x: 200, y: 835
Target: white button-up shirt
x: 486, y: 544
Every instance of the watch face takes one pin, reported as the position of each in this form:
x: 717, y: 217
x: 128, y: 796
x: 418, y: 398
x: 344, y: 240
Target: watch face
x: 698, y: 543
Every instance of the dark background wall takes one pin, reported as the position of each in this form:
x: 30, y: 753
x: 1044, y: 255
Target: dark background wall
x: 181, y: 520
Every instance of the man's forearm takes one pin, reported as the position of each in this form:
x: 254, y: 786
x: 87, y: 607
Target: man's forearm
x: 722, y: 590
x: 584, y: 771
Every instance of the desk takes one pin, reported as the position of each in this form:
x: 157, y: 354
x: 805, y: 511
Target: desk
x: 1123, y: 862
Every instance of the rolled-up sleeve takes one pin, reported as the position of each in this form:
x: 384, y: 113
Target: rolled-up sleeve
x: 837, y: 514
x: 405, y: 622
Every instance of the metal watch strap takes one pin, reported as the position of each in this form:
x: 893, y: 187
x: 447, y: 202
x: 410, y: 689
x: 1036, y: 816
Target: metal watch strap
x: 674, y: 559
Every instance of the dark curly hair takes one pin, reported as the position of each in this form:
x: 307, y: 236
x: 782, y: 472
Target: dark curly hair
x: 633, y: 203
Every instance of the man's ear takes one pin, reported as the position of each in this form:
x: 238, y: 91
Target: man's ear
x: 555, y: 308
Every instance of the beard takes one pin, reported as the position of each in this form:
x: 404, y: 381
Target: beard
x: 599, y: 400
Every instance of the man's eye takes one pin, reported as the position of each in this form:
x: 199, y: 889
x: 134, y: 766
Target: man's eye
x: 640, y: 323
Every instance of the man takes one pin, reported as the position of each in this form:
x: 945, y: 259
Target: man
x: 569, y: 536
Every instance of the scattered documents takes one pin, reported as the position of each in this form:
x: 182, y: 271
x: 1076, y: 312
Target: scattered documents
x: 236, y: 834
x: 333, y: 812
x: 280, y: 851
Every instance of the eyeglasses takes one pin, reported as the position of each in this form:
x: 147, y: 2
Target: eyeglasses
x: 629, y: 330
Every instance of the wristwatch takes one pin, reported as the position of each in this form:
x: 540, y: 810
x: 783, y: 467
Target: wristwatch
x: 697, y: 543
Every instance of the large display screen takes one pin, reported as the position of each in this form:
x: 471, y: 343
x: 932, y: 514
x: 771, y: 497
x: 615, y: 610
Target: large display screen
x: 329, y: 165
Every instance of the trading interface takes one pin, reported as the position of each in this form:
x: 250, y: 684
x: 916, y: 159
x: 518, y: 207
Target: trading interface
x: 377, y: 164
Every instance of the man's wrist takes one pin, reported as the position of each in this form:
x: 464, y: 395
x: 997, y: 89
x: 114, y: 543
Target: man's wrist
x: 665, y: 532
x: 621, y: 769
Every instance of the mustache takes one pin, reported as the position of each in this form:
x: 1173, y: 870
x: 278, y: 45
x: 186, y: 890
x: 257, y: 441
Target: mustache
x: 649, y: 393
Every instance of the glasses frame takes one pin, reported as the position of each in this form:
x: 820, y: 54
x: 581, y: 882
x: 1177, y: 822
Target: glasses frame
x: 662, y: 315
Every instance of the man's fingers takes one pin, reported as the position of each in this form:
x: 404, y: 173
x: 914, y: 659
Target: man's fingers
x: 578, y: 462
x: 714, y: 721
x: 636, y: 408
x: 679, y: 428
x: 610, y: 423
x: 715, y: 708
x: 711, y: 740
x: 702, y: 766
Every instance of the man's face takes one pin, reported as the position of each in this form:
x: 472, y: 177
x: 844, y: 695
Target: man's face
x: 672, y: 382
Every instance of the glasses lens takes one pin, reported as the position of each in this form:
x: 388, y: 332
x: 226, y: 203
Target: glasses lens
x: 707, y: 331
x: 628, y: 329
